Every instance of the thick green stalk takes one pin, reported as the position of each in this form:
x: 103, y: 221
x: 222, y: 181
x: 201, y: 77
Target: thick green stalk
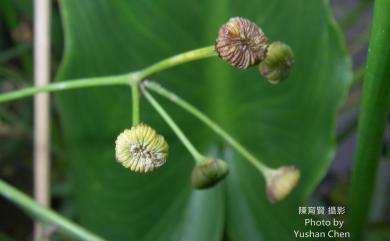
x: 135, y: 102
x: 217, y: 129
x: 128, y: 78
x: 194, y: 152
x: 45, y: 214
x: 372, y: 119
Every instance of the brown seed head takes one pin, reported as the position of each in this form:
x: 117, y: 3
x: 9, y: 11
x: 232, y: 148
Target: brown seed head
x: 241, y: 43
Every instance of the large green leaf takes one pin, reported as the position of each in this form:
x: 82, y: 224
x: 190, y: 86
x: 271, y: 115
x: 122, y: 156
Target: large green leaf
x: 289, y: 123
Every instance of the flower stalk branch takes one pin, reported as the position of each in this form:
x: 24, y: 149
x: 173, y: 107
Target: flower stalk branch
x: 280, y: 181
x: 190, y: 147
x: 207, y: 171
x: 264, y: 169
x: 123, y: 79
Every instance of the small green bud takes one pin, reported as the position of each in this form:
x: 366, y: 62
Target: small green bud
x: 141, y: 149
x: 277, y: 63
x: 208, y: 173
x: 280, y: 182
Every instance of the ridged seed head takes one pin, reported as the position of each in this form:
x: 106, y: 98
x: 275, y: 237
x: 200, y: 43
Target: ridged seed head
x: 241, y: 43
x: 208, y: 173
x: 141, y: 149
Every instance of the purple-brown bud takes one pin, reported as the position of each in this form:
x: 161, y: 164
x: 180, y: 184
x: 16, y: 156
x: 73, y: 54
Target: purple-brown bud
x: 241, y: 43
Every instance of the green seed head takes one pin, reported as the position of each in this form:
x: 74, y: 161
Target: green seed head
x: 280, y: 182
x: 141, y: 149
x: 208, y: 173
x: 277, y: 63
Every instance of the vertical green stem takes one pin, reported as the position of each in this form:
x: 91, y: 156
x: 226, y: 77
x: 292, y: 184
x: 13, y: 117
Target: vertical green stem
x: 45, y: 214
x: 194, y: 152
x: 135, y: 102
x: 372, y: 119
x: 217, y: 129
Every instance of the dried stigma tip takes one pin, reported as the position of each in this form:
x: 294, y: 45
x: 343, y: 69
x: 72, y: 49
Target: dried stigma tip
x: 208, y: 173
x: 277, y: 63
x: 241, y: 43
x: 141, y: 149
x: 280, y: 182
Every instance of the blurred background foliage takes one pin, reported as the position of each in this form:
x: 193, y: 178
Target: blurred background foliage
x: 291, y: 123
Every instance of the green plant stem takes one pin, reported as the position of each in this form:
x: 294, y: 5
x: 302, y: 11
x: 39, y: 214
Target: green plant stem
x: 194, y: 152
x: 45, y: 214
x: 135, y: 102
x: 67, y: 85
x: 124, y: 79
x: 196, y: 54
x: 372, y: 119
x: 206, y: 120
